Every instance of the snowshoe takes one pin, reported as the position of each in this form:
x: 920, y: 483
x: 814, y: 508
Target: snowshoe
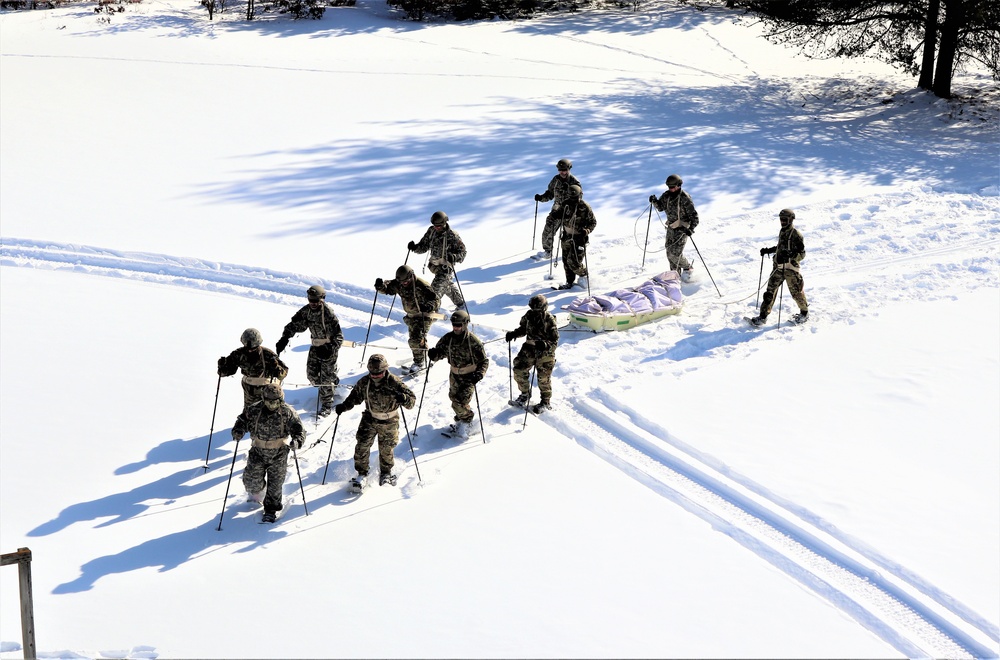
x: 521, y: 401
x: 325, y: 411
x: 563, y: 287
x: 755, y: 321
x: 457, y: 430
x: 541, y: 407
x: 413, y: 369
x: 358, y: 483
x: 387, y: 478
x: 269, y: 517
x: 544, y: 255
x: 801, y: 317
x: 687, y: 274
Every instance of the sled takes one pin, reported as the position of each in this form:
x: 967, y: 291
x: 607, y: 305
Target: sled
x: 627, y: 308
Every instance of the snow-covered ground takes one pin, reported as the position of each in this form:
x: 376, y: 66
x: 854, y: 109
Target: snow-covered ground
x: 701, y: 489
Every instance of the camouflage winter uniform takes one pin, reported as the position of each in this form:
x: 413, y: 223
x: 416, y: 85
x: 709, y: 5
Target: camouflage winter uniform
x: 578, y: 222
x: 260, y: 366
x: 788, y: 254
x: 467, y: 358
x: 268, y: 456
x: 380, y: 418
x: 446, y: 249
x: 539, y: 351
x: 679, y: 209
x: 419, y: 299
x: 556, y: 192
x: 321, y: 365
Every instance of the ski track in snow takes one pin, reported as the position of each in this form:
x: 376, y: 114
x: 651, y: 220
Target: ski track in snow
x: 891, y: 243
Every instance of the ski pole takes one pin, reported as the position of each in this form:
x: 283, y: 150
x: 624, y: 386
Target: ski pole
x: 370, y: 317
x: 211, y: 431
x: 781, y: 296
x: 555, y: 255
x: 316, y: 425
x: 760, y: 279
x: 427, y: 375
x: 412, y: 453
x: 228, y: 483
x: 460, y: 293
x: 586, y: 266
x: 510, y: 372
x: 527, y: 404
x: 645, y: 243
x: 393, y: 303
x: 534, y: 232
x: 704, y: 264
x: 301, y: 487
x: 479, y: 410
x: 330, y: 453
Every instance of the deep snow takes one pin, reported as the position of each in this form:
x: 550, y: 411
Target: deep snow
x: 700, y: 489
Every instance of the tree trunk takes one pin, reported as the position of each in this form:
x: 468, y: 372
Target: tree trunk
x: 930, y: 44
x: 954, y: 19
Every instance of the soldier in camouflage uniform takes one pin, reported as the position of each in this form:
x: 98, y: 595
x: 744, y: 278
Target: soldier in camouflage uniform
x: 788, y: 254
x: 260, y: 366
x: 383, y: 394
x: 556, y: 193
x: 539, y: 351
x: 467, y: 358
x: 321, y: 366
x: 578, y: 222
x: 270, y: 422
x: 419, y: 301
x: 682, y: 218
x: 447, y: 249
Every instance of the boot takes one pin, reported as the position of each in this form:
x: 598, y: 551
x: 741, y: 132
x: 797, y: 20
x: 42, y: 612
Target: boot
x: 801, y: 317
x: 386, y: 478
x: 758, y: 321
x: 541, y: 407
x: 521, y: 400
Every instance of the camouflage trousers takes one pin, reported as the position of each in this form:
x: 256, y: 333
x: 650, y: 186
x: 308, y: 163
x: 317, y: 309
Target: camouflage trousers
x: 553, y: 221
x: 444, y: 284
x: 387, y: 432
x: 795, y: 287
x: 543, y: 364
x: 676, y: 242
x: 266, y: 468
x: 574, y: 249
x: 418, y: 326
x: 460, y: 391
x: 322, y: 372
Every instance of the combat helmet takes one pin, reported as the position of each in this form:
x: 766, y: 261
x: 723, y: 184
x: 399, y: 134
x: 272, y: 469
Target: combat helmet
x: 574, y: 192
x: 564, y: 164
x: 377, y: 364
x: 403, y: 273
x: 251, y: 338
x: 786, y: 214
x: 460, y: 317
x: 316, y: 293
x: 538, y: 302
x: 273, y: 396
x: 439, y: 218
x: 674, y: 180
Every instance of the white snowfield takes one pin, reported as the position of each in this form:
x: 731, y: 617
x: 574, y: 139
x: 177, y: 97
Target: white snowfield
x: 700, y: 488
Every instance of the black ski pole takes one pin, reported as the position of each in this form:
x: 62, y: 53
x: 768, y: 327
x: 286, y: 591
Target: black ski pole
x: 465, y: 302
x: 527, y: 404
x: 422, y: 393
x: 228, y: 483
x: 302, y: 489
x: 704, y: 264
x: 760, y: 279
x: 482, y: 429
x: 555, y: 254
x: 645, y: 243
x: 412, y: 453
x: 781, y: 296
x: 510, y: 371
x: 370, y: 317
x: 211, y: 431
x: 393, y: 303
x: 534, y: 232
x: 586, y: 266
x: 333, y: 438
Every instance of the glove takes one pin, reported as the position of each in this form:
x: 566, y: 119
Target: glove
x: 237, y: 436
x: 475, y: 378
x: 411, y: 246
x: 511, y: 335
x: 782, y: 257
x: 379, y: 284
x: 538, y: 198
x: 400, y: 397
x: 339, y: 409
x: 770, y: 250
x: 434, y: 354
x: 427, y: 308
x: 222, y: 365
x: 281, y: 345
x: 687, y: 231
x: 296, y: 444
x: 652, y: 199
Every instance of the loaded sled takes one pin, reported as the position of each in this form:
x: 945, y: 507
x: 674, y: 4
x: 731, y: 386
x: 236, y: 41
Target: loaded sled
x: 626, y: 308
